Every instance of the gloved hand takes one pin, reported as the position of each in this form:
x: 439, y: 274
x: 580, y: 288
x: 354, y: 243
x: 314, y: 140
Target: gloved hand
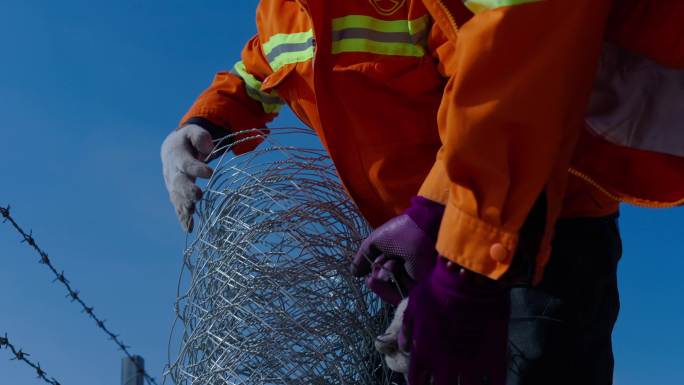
x: 400, y: 252
x: 455, y: 329
x: 183, y: 153
x: 388, y: 342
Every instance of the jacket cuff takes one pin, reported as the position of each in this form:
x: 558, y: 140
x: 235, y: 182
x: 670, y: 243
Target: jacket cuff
x: 474, y: 244
x: 436, y: 185
x: 216, y: 131
x: 218, y: 134
x: 427, y: 214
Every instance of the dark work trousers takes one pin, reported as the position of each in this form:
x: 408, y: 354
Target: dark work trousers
x: 560, y: 331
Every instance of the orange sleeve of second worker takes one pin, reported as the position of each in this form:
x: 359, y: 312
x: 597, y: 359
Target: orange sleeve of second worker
x: 509, y: 120
x: 436, y: 185
x: 226, y: 102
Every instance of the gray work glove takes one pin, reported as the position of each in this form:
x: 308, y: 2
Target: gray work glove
x: 183, y: 153
x: 388, y: 343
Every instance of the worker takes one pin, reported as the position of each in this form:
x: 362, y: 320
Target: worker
x: 514, y: 109
x: 363, y: 75
x: 378, y: 125
x: 377, y: 56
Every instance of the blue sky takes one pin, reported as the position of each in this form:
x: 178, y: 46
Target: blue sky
x: 88, y: 90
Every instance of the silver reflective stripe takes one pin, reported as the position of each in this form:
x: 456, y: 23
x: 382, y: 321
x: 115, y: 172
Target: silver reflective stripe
x: 270, y: 102
x: 638, y: 103
x: 289, y: 48
x: 385, y: 37
x: 263, y: 97
x: 361, y: 33
x: 478, y: 6
x: 286, y: 48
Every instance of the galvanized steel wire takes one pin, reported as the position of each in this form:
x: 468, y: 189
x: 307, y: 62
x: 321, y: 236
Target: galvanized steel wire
x: 268, y: 297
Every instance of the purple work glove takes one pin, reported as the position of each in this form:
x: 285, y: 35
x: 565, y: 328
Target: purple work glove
x: 455, y: 329
x: 401, y: 252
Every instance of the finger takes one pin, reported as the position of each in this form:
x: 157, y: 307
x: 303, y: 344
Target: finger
x: 384, y: 289
x: 406, y: 333
x: 201, y: 140
x: 404, y: 283
x: 380, y: 281
x: 184, y: 190
x: 188, y: 223
x: 193, y: 167
x: 184, y: 196
x: 386, y: 343
x: 397, y: 320
x: 185, y: 213
x: 387, y: 270
x: 364, y: 258
x: 392, y: 272
x: 398, y: 362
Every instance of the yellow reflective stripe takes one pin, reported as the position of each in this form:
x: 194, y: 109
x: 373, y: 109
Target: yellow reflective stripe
x: 286, y: 38
x: 376, y: 47
x: 292, y: 57
x: 360, y: 21
x: 477, y: 6
x: 270, y: 102
x: 360, y: 33
x: 289, y: 48
x: 248, y: 78
x: 272, y: 108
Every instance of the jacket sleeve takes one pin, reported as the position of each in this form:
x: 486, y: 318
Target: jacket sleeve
x: 436, y: 185
x: 519, y: 82
x: 234, y: 100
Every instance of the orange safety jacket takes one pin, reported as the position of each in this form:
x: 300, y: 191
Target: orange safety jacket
x: 638, y: 156
x: 520, y: 77
x: 361, y: 73
x: 368, y: 76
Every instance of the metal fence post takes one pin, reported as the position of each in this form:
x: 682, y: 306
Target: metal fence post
x: 132, y: 371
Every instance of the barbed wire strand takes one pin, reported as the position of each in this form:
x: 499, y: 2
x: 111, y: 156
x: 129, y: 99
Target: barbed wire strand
x: 72, y: 293
x: 20, y: 355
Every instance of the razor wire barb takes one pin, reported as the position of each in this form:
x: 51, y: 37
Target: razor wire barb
x: 20, y: 355
x: 72, y: 293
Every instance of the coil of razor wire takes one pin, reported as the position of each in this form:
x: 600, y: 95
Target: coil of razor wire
x: 268, y: 297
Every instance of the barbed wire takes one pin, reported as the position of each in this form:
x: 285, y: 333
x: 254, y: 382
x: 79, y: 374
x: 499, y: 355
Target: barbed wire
x: 72, y: 293
x: 20, y: 355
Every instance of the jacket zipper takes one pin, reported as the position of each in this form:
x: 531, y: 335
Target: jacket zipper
x: 622, y: 197
x: 448, y: 13
x: 305, y: 7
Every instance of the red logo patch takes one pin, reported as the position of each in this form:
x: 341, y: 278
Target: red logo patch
x: 387, y: 7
